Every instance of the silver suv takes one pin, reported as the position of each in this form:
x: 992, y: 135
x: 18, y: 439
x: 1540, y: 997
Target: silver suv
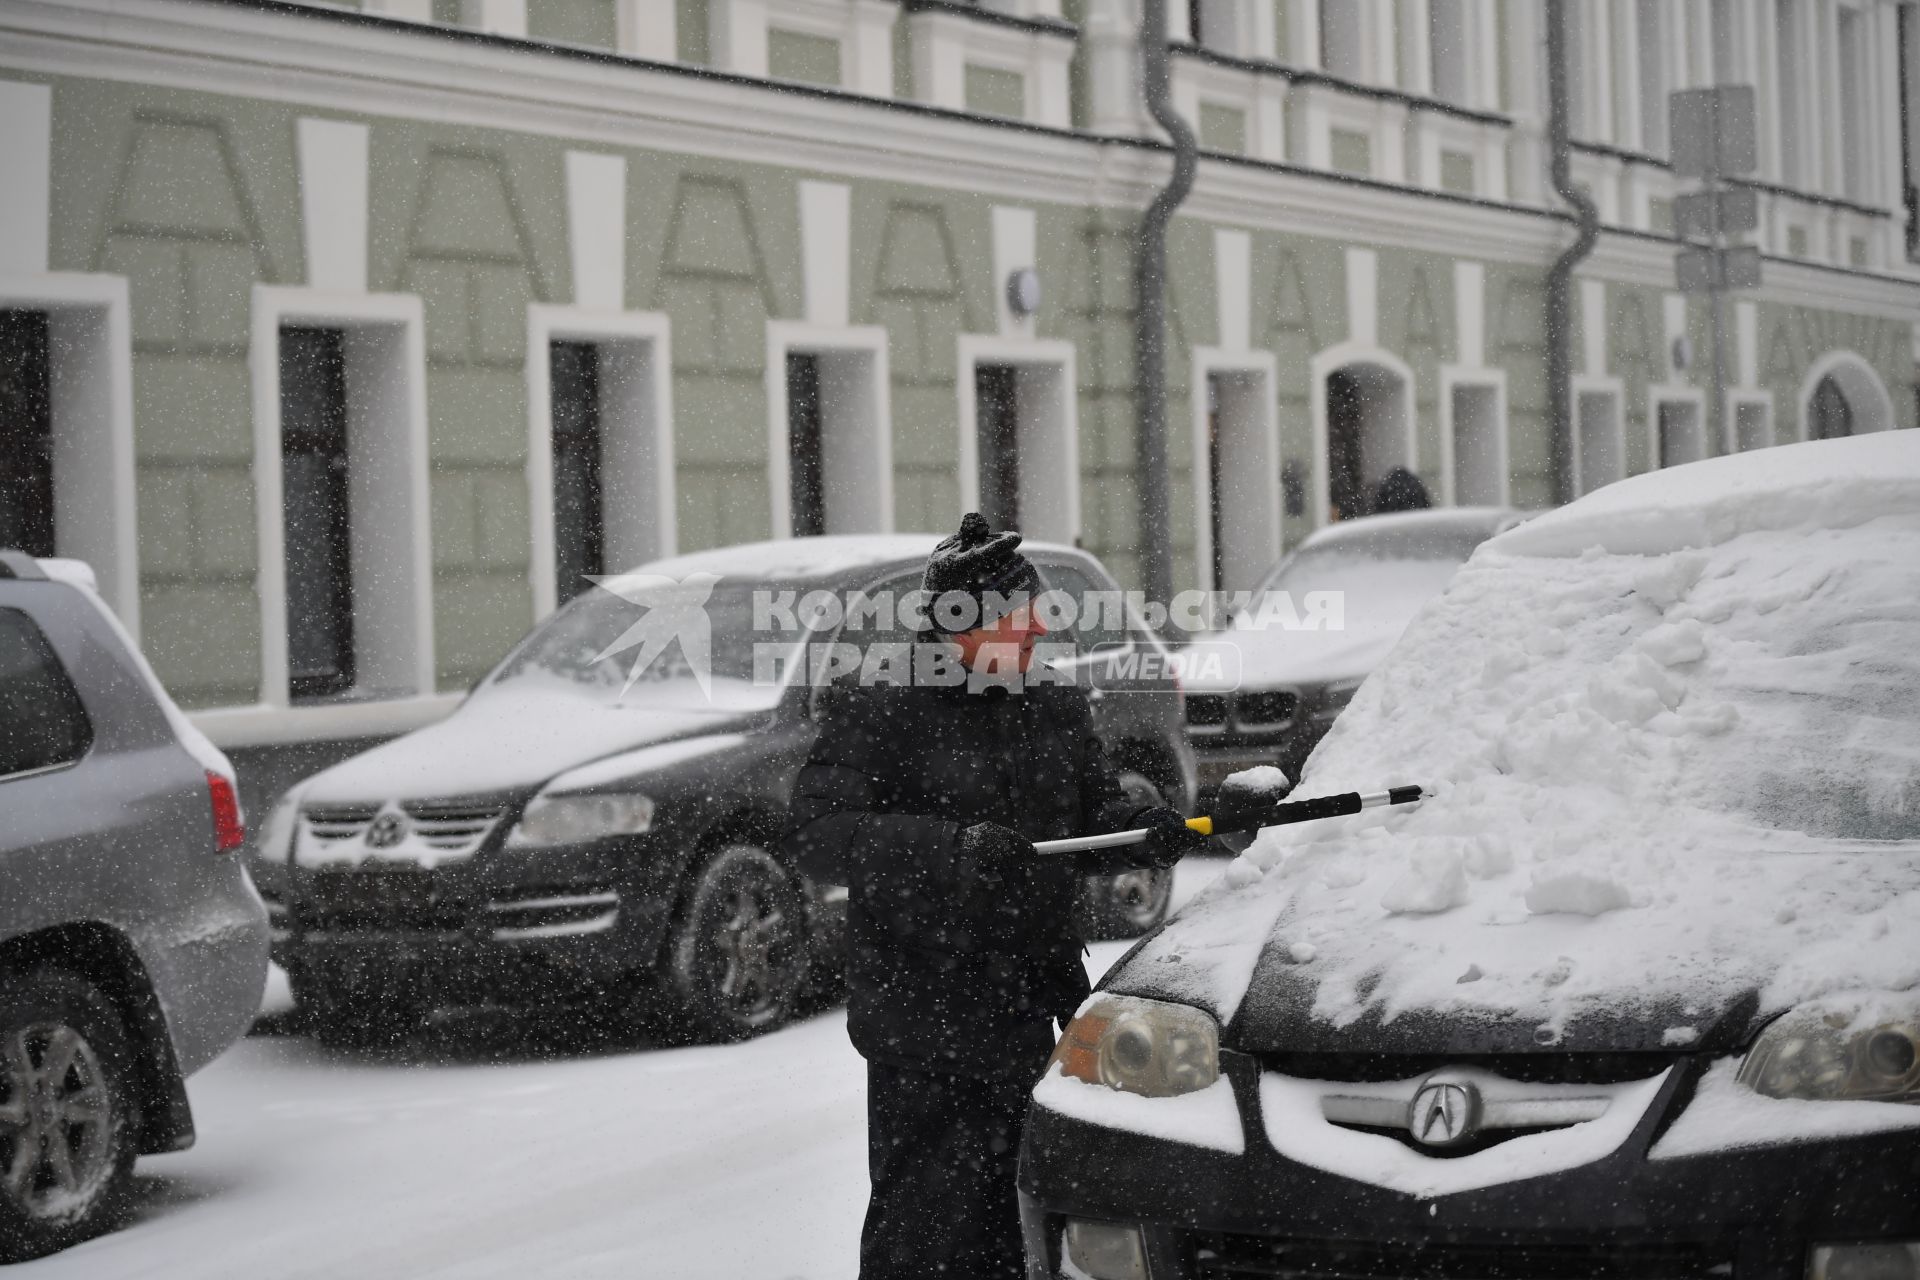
x: 133, y: 948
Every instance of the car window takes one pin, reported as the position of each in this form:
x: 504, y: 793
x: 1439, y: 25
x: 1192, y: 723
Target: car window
x: 42, y: 723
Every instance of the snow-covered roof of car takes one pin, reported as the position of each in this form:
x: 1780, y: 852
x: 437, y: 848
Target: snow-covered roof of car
x: 1672, y: 733
x: 790, y: 559
x: 1399, y: 523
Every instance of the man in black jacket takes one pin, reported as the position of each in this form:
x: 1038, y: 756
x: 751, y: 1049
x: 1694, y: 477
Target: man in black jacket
x: 925, y: 800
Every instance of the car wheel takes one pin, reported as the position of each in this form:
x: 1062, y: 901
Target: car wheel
x: 739, y: 959
x: 1129, y: 904
x: 69, y: 1119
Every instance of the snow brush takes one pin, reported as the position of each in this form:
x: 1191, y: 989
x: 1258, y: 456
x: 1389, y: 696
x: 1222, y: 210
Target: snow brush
x: 1281, y: 815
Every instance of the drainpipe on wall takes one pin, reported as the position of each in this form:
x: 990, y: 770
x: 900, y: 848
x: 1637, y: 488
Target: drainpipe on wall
x: 1560, y: 275
x: 1150, y: 309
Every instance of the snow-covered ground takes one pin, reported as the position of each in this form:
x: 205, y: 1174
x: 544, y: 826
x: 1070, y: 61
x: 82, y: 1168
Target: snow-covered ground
x: 708, y: 1163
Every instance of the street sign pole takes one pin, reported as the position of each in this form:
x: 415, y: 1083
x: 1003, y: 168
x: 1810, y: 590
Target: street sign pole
x: 1714, y: 138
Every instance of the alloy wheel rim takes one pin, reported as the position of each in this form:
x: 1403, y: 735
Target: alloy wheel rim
x: 750, y: 943
x: 1140, y: 893
x: 55, y: 1119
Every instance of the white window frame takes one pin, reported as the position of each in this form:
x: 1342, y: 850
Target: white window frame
x: 943, y: 43
x: 636, y: 439
x: 1057, y: 358
x: 1738, y: 400
x: 1339, y: 357
x: 403, y: 617
x: 869, y: 455
x: 1615, y: 390
x: 1666, y: 393
x: 1454, y: 377
x: 89, y: 320
x: 1208, y: 361
x: 863, y: 29
x: 1866, y: 395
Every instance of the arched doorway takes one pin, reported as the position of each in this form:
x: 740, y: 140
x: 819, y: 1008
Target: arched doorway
x: 1367, y: 420
x: 1843, y: 396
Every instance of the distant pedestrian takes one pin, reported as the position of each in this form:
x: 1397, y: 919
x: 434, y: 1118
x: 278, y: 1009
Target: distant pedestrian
x: 925, y: 800
x: 1400, y: 490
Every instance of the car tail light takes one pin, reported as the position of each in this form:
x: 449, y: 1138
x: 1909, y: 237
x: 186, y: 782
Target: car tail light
x: 229, y: 828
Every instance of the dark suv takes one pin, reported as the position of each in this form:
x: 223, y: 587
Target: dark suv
x: 133, y: 949
x: 568, y: 835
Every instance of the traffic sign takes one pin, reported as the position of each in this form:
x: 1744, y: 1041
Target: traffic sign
x: 1701, y: 270
x: 1738, y: 211
x: 1713, y: 132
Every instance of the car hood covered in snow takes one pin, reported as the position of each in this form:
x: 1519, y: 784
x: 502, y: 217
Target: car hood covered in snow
x: 1672, y: 738
x: 508, y: 741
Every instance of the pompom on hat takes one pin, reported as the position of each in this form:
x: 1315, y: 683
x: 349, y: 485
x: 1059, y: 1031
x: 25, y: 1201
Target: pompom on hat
x: 978, y: 563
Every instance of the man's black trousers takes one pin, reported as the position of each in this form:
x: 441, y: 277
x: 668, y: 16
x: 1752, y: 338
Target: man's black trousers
x: 942, y: 1151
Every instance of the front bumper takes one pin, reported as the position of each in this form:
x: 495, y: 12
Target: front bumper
x: 507, y: 927
x: 1751, y: 1214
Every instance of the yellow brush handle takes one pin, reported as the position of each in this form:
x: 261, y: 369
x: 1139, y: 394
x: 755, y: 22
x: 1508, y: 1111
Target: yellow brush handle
x: 1203, y: 825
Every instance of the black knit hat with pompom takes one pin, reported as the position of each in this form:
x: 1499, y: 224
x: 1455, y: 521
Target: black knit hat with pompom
x: 977, y: 562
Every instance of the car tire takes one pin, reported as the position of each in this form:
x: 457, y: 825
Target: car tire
x: 738, y: 960
x: 69, y: 1114
x: 1129, y: 904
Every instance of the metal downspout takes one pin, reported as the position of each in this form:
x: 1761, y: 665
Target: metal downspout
x: 1560, y: 275
x: 1150, y: 309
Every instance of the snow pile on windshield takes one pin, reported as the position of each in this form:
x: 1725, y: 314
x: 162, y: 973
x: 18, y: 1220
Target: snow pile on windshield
x: 1674, y: 732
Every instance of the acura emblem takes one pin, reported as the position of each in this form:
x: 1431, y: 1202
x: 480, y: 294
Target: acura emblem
x: 388, y: 830
x: 1444, y: 1113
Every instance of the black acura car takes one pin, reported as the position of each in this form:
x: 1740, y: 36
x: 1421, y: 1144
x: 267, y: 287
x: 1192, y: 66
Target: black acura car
x: 569, y: 834
x: 1635, y: 992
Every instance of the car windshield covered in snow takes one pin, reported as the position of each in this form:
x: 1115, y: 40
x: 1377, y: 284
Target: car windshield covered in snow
x: 594, y: 642
x: 1386, y: 572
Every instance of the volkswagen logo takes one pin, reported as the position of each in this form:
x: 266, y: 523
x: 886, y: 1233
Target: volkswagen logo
x: 388, y: 830
x: 1444, y: 1113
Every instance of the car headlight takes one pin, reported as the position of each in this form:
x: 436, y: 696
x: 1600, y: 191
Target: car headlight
x: 558, y: 820
x: 1140, y: 1046
x: 1825, y: 1056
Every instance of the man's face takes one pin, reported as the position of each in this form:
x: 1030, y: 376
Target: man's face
x: 1004, y: 645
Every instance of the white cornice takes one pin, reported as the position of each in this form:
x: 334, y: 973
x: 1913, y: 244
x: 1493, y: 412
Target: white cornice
x: 359, y: 68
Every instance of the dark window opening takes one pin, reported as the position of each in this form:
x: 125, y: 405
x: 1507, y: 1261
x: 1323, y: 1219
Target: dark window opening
x: 1215, y: 503
x: 314, y: 458
x: 42, y: 722
x: 579, y: 523
x: 1828, y: 413
x: 1346, y: 475
x: 26, y: 433
x: 807, y: 490
x: 1909, y: 180
x: 997, y: 410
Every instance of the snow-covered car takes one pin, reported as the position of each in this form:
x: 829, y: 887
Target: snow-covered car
x: 564, y: 836
x: 1296, y: 668
x: 133, y: 948
x: 1635, y: 992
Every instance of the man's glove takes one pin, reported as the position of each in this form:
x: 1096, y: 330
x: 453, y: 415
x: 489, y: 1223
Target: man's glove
x: 1247, y: 798
x: 1172, y: 838
x: 992, y: 848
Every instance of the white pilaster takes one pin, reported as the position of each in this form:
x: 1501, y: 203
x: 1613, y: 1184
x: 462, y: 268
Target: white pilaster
x: 496, y: 17
x: 1233, y: 288
x: 826, y: 235
x: 597, y: 229
x: 1593, y: 328
x: 1470, y: 314
x: 1746, y: 344
x: 1363, y: 297
x: 737, y: 36
x: 411, y: 10
x: 26, y: 158
x: 333, y: 203
x: 1673, y: 314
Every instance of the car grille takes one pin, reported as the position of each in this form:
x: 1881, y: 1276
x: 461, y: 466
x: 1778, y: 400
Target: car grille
x: 378, y: 901
x: 1234, y: 1257
x: 455, y: 830
x: 1526, y: 1068
x: 541, y: 913
x: 339, y: 824
x: 450, y: 829
x: 1251, y: 712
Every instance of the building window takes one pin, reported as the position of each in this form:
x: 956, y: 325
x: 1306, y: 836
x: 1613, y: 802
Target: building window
x: 1656, y: 57
x: 1797, y: 242
x: 1223, y: 129
x: 1367, y: 420
x: 1342, y: 39
x: 1786, y: 14
x: 1679, y: 435
x: 1856, y: 132
x: 828, y: 431
x: 319, y: 541
x: 1350, y: 151
x: 991, y: 91
x: 1829, y: 416
x: 809, y: 59
x: 26, y: 432
x: 1477, y: 433
x: 1599, y: 454
x: 1019, y: 450
x: 1456, y: 172
x: 579, y: 524
x: 1447, y: 39
x: 46, y: 723
x: 1752, y: 424
x: 595, y: 23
